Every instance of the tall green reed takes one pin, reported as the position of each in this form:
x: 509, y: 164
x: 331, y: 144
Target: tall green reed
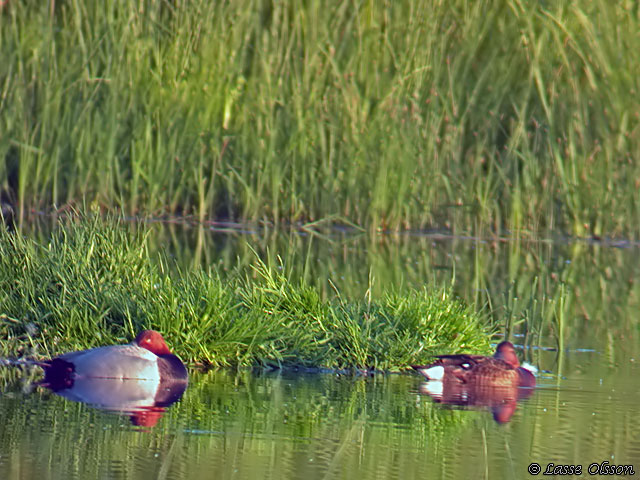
x: 515, y: 116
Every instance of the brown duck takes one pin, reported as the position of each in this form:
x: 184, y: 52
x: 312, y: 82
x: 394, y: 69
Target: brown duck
x: 503, y: 369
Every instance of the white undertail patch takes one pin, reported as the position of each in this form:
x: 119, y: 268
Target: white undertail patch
x: 434, y: 373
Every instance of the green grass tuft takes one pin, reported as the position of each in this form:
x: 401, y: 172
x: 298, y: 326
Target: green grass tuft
x: 94, y: 283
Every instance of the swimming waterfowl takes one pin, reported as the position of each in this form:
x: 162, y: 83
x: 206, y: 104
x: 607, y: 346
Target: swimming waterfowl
x: 503, y: 369
x: 147, y: 358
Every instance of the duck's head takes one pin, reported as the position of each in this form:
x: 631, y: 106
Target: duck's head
x: 506, y: 352
x: 152, y: 341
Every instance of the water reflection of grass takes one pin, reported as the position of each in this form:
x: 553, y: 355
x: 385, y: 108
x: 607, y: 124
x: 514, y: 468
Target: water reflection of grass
x: 95, y: 283
x: 240, y: 425
x: 520, y: 115
x: 234, y: 425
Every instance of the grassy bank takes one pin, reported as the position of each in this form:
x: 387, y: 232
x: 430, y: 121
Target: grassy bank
x: 517, y: 115
x: 95, y: 283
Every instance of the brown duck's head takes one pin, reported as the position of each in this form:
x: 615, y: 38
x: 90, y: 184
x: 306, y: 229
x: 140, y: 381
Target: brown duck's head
x: 506, y: 352
x: 152, y: 341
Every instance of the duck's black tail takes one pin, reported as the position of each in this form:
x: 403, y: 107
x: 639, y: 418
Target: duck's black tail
x: 58, y: 374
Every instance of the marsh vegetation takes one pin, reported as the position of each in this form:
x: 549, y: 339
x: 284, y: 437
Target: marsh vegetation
x: 94, y: 283
x: 518, y: 116
x: 314, y: 148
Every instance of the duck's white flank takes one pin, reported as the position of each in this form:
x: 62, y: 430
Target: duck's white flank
x: 115, y: 361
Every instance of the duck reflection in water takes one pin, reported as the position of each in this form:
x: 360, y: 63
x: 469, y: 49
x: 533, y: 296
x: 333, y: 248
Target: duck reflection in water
x: 140, y: 379
x: 144, y: 401
x: 497, y: 382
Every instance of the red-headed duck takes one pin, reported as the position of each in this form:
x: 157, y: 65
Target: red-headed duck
x: 503, y: 369
x: 147, y: 358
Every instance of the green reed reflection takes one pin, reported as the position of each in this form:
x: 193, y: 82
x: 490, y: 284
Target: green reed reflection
x: 247, y: 425
x: 275, y: 423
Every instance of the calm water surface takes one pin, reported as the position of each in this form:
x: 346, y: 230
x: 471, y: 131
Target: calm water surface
x: 248, y: 425
x: 285, y: 425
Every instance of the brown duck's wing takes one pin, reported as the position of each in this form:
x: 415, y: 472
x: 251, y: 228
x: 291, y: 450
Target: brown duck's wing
x: 463, y: 361
x: 477, y: 370
x: 456, y: 368
x: 496, y: 365
x: 496, y: 373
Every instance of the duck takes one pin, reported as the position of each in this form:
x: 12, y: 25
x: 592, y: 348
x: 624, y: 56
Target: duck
x: 503, y: 369
x: 146, y: 358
